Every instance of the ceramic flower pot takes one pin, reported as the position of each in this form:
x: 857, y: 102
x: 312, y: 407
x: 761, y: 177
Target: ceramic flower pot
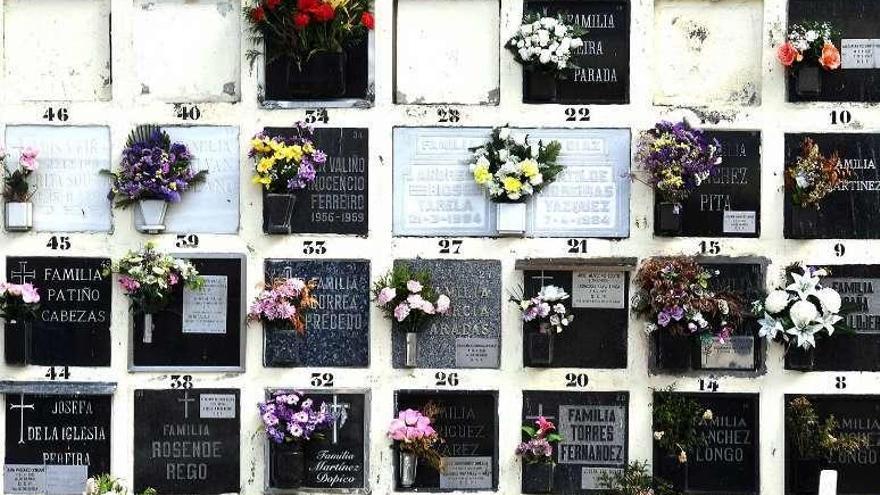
x: 510, y: 219
x: 540, y: 345
x: 674, y: 352
x: 287, y: 465
x: 277, y: 213
x: 321, y: 77
x: 808, y: 80
x: 673, y: 472
x: 669, y: 218
x: 153, y: 215
x: 408, y: 468
x: 538, y: 477
x: 540, y: 85
x: 800, y: 359
x: 18, y: 217
x: 17, y: 342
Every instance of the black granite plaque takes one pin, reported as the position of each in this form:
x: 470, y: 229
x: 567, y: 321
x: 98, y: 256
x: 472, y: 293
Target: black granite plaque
x: 857, y: 472
x: 602, y: 73
x: 728, y: 461
x: 727, y: 204
x: 595, y: 434
x: 599, y: 302
x: 845, y: 213
x: 338, y: 332
x: 337, y: 202
x: 469, y: 336
x: 55, y: 442
x: 73, y: 324
x: 199, y: 328
x: 356, y: 74
x: 187, y: 441
x: 468, y: 422
x: 858, y: 79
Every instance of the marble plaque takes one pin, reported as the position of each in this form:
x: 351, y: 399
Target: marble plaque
x: 595, y: 289
x: 204, y: 310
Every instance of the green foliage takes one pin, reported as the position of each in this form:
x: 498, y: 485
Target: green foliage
x: 814, y: 438
x: 634, y: 479
x: 677, y: 421
x: 397, y: 278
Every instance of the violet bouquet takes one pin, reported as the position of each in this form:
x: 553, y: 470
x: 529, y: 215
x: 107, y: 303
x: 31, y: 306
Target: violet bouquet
x: 677, y: 158
x: 538, y: 446
x: 289, y: 416
x: 18, y: 302
x: 153, y: 168
x: 285, y: 299
x: 547, y: 308
x: 407, y: 298
x: 16, y: 188
x: 412, y: 431
x: 285, y: 164
x: 148, y: 277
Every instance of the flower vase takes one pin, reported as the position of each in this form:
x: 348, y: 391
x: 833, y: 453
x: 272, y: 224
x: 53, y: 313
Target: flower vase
x: 18, y: 217
x: 540, y: 85
x: 278, y: 213
x: 800, y: 359
x: 17, y: 342
x: 538, y: 477
x: 510, y: 219
x: 148, y: 328
x: 153, y: 215
x: 322, y: 76
x: 540, y: 345
x: 409, y: 464
x: 287, y: 465
x: 808, y: 80
x: 668, y: 218
x: 674, y: 472
x: 674, y: 352
x: 411, y: 349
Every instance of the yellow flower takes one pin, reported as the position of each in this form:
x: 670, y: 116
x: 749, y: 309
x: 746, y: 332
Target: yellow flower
x: 308, y: 148
x: 512, y: 184
x: 265, y: 164
x: 259, y: 145
x: 274, y: 145
x: 294, y: 152
x: 529, y: 168
x: 482, y: 175
x: 261, y: 179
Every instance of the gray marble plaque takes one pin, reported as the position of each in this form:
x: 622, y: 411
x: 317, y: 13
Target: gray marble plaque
x: 595, y: 289
x: 591, y: 476
x: 204, y: 310
x: 857, y: 54
x: 217, y: 406
x: 24, y: 479
x: 71, y: 192
x: 736, y: 353
x: 467, y: 473
x: 474, y: 287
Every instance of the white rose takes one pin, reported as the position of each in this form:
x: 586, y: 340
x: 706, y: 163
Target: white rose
x: 811, y: 35
x: 544, y: 57
x: 776, y: 301
x: 560, y: 30
x: 577, y: 42
x: 803, y: 313
x: 523, y: 54
x: 830, y: 300
x: 543, y: 37
x: 536, y: 179
x: 503, y: 134
x: 519, y: 138
x: 526, y: 29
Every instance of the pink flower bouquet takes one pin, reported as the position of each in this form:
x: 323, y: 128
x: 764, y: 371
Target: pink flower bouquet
x: 412, y: 431
x: 407, y: 298
x: 285, y: 299
x: 18, y: 302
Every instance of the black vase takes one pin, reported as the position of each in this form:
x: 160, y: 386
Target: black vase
x: 322, y: 76
x: 804, y: 476
x: 800, y: 359
x: 287, y: 467
x: 674, y: 352
x: 540, y: 85
x: 673, y: 472
x: 277, y: 213
x: 540, y: 347
x: 808, y: 80
x: 17, y: 342
x: 537, y: 477
x: 668, y: 218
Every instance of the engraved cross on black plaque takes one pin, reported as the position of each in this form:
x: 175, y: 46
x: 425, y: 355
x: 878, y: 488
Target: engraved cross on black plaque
x: 340, y: 416
x: 21, y: 406
x: 540, y: 413
x: 22, y: 275
x: 541, y: 278
x: 186, y: 400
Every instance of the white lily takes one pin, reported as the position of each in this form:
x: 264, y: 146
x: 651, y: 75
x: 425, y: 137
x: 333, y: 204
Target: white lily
x: 770, y: 327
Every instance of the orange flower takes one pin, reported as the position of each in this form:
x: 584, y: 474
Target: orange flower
x: 788, y: 54
x: 830, y: 58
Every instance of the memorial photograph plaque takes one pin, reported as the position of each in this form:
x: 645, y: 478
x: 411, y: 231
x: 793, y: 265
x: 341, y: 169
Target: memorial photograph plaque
x: 858, y: 40
x: 468, y: 423
x: 469, y: 336
x: 602, y: 72
x: 595, y: 435
x: 72, y: 325
x: 55, y: 441
x: 841, y: 215
x: 337, y: 333
x: 187, y: 441
x: 337, y: 202
x: 728, y: 460
x: 727, y: 204
x: 200, y: 329
x: 71, y: 193
x: 435, y: 193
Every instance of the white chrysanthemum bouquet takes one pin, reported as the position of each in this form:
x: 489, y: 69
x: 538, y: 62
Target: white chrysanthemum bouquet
x: 546, y: 43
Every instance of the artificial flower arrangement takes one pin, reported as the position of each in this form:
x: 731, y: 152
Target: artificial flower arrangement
x: 547, y: 314
x: 18, y: 309
x: 149, y: 278
x: 408, y: 299
x: 305, y: 43
x: 677, y: 159
x: 818, y: 439
x: 416, y: 439
x: 154, y: 171
x: 544, y: 45
x: 291, y: 420
x: 107, y: 484
x: 813, y: 176
x: 799, y: 313
x: 677, y: 423
x: 807, y: 47
x: 674, y: 297
x: 285, y: 300
x: 512, y: 169
x: 284, y: 165
x: 537, y: 457
x: 18, y: 209
x: 634, y: 479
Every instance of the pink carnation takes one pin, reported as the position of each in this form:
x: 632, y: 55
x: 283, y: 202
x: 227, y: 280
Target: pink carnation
x: 410, y: 425
x: 29, y: 294
x: 414, y: 286
x: 386, y: 295
x: 401, y: 311
x: 129, y: 284
x: 28, y: 158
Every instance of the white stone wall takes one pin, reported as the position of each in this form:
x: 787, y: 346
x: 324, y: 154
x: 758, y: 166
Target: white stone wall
x: 57, y: 53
